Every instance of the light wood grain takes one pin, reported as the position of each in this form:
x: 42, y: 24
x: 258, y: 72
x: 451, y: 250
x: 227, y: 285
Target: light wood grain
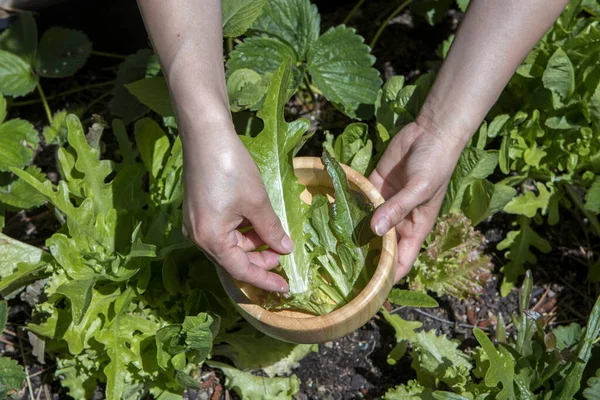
x: 300, y: 327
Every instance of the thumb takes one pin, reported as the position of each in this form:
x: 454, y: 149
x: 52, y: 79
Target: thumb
x: 268, y: 226
x: 395, y: 209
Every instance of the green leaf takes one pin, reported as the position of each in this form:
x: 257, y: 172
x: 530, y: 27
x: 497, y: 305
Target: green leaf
x: 57, y: 132
x: 272, y: 151
x: 186, y: 381
x: 260, y: 54
x: 295, y: 22
x: 123, y: 104
x: 594, y: 107
x: 592, y: 392
x: 13, y: 253
x: 485, y: 199
x: 462, y: 4
x: 559, y: 76
x: 528, y: 203
x: 3, y: 315
x: 412, y: 298
x: 351, y: 211
x: 18, y: 142
x: 405, y: 332
x: 567, y: 335
x: 250, y: 387
x: 12, y: 377
x: 238, y: 15
x: 245, y: 88
x: 154, y: 94
x: 16, y: 76
x: 412, y: 390
x: 519, y: 243
x: 434, y: 11
x: 19, y: 194
x: 340, y: 65
x: 21, y: 37
x: 592, y: 197
x: 153, y: 144
x: 62, y: 52
x: 79, y: 293
x: 501, y: 368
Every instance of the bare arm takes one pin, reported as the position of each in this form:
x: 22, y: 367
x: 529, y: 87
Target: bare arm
x: 223, y: 188
x: 413, y: 174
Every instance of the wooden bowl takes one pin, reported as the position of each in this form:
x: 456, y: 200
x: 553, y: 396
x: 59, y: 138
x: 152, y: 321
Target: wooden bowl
x: 300, y: 327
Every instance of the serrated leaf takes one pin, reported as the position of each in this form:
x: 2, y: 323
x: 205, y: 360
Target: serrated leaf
x: 238, y: 15
x: 412, y: 390
x: 12, y: 376
x: 295, y: 22
x: 559, y: 76
x: 251, y: 387
x: 21, y: 37
x: 245, y: 88
x: 19, y: 194
x: 16, y: 76
x: 519, y: 243
x: 272, y: 150
x: 62, y: 52
x: 154, y: 94
x: 592, y: 197
x: 528, y: 203
x: 501, y: 368
x: 18, y: 142
x: 412, y: 298
x: 340, y: 65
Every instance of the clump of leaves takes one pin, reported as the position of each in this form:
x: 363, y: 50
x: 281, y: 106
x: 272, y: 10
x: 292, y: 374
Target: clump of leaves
x: 331, y: 249
x: 453, y: 262
x: 530, y: 364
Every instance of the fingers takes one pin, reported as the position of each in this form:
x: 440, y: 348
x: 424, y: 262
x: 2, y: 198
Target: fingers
x: 249, y: 241
x: 408, y: 250
x: 395, y: 210
x: 267, y: 259
x: 268, y: 227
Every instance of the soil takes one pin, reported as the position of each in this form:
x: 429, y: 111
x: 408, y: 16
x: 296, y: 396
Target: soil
x: 355, y: 366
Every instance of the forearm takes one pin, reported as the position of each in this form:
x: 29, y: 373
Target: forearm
x: 187, y: 37
x: 493, y: 39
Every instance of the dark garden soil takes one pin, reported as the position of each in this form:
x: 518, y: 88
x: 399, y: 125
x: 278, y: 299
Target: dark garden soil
x: 355, y: 366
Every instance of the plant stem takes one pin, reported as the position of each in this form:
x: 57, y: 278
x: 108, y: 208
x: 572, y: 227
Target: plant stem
x: 94, y: 102
x: 577, y: 201
x: 61, y: 94
x: 310, y: 91
x: 353, y: 11
x: 109, y: 55
x: 229, y: 45
x: 45, y: 103
x: 387, y: 20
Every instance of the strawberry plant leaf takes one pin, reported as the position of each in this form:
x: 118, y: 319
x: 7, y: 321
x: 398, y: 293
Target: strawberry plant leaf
x: 592, y: 197
x: 18, y: 142
x: 296, y: 23
x: 62, y: 52
x: 154, y: 94
x: 272, y: 151
x: 412, y: 298
x: 340, y: 65
x: 21, y: 37
x: 16, y: 76
x: 12, y: 377
x: 238, y: 15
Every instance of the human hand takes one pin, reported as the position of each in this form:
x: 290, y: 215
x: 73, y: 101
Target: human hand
x: 412, y: 176
x: 223, y: 193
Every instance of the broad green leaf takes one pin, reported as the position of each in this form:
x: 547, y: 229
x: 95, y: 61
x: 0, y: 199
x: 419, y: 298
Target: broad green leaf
x: 24, y: 274
x: 19, y: 194
x: 21, y: 37
x: 12, y: 377
x: 559, y: 76
x: 362, y: 159
x: 295, y: 22
x: 123, y: 104
x: 79, y: 294
x: 3, y: 315
x: 245, y: 88
x: 251, y: 387
x: 340, y: 65
x: 320, y: 220
x: 16, y: 76
x: 462, y: 4
x: 153, y: 145
x: 154, y: 94
x: 351, y: 211
x: 238, y: 15
x: 13, y: 253
x: 272, y: 151
x: 62, y: 52
x: 186, y: 381
x: 519, y: 243
x: 567, y: 335
x: 501, y: 368
x: 200, y: 332
x: 484, y: 199
x: 528, y: 203
x: 592, y: 197
x: 68, y: 254
x: 412, y: 298
x: 18, y: 142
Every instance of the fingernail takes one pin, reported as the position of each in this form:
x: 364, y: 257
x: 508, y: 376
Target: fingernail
x: 382, y: 226
x: 287, y: 244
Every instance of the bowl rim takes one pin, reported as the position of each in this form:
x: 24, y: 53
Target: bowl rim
x: 384, y: 267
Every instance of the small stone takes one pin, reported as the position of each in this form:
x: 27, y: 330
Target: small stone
x: 329, y: 345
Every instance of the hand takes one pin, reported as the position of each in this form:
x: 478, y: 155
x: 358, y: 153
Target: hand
x: 224, y: 192
x: 412, y: 176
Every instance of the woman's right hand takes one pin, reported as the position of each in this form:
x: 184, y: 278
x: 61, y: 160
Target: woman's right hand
x: 223, y: 193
